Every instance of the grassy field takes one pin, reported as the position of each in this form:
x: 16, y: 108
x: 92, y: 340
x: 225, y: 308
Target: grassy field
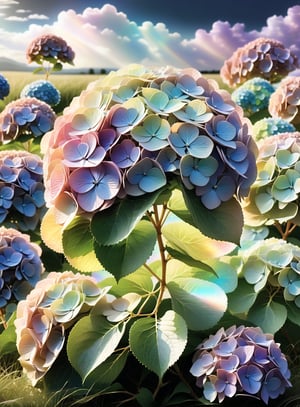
x: 69, y: 85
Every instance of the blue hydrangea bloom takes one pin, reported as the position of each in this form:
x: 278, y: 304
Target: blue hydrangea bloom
x: 42, y: 90
x: 269, y: 126
x: 4, y: 87
x: 20, y: 265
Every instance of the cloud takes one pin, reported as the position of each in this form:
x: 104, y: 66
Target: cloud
x: 8, y: 3
x: 16, y: 18
x: 22, y: 11
x: 37, y: 17
x: 106, y: 38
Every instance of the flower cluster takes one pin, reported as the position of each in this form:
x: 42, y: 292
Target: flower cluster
x: 241, y: 360
x: 20, y: 265
x: 4, y: 87
x: 253, y: 95
x: 284, y: 102
x: 22, y: 201
x: 42, y: 317
x: 25, y: 117
x: 129, y: 133
x: 262, y: 57
x: 274, y: 196
x: 272, y: 263
x: 49, y: 48
x: 42, y: 90
x: 269, y: 126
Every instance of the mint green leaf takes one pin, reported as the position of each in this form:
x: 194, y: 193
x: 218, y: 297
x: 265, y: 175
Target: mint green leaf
x: 217, y: 223
x: 91, y: 341
x: 158, y: 344
x: 128, y: 255
x: 269, y: 315
x: 223, y: 275
x: 114, y: 224
x: 139, y: 282
x: 201, y: 303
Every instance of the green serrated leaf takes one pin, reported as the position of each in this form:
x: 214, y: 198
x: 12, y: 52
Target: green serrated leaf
x: 127, y: 256
x: 114, y: 224
x: 108, y: 371
x: 270, y: 316
x: 158, y: 344
x: 223, y: 223
x: 201, y: 303
x: 91, y: 341
x: 139, y: 282
x: 57, y: 67
x: 78, y: 245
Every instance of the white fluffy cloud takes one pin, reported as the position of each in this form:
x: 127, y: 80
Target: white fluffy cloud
x: 106, y: 38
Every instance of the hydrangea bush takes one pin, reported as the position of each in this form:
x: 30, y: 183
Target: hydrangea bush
x: 175, y: 215
x: 4, y: 87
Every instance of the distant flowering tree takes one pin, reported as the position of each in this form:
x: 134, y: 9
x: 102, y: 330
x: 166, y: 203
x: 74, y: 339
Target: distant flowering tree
x: 25, y: 118
x: 50, y: 51
x: 42, y: 90
x: 4, y: 87
x: 284, y: 102
x: 22, y: 201
x: 241, y: 360
x: 262, y: 57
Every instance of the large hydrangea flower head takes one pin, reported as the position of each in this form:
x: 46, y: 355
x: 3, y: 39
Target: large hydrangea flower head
x: 22, y: 203
x: 131, y: 132
x: 253, y: 95
x: 241, y: 360
x: 270, y: 126
x: 43, y: 90
x: 284, y: 102
x: 262, y: 57
x: 28, y: 117
x: 4, y: 87
x: 21, y: 266
x: 51, y: 48
x: 274, y: 196
x: 44, y: 315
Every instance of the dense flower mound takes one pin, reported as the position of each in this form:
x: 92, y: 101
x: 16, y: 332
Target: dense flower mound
x: 285, y: 101
x: 241, y: 360
x: 49, y: 48
x: 269, y: 126
x: 42, y: 90
x: 253, y: 95
x: 25, y: 117
x: 131, y: 132
x: 42, y: 317
x: 262, y: 57
x: 21, y: 265
x: 4, y: 87
x: 22, y: 201
x: 275, y: 193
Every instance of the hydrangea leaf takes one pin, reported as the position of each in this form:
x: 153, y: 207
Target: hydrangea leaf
x: 116, y: 223
x: 244, y: 291
x: 129, y: 254
x: 139, y: 282
x: 109, y: 370
x: 8, y: 337
x: 91, y: 341
x: 78, y: 245
x: 216, y: 223
x: 191, y: 297
x: 189, y: 240
x: 51, y: 231
x: 158, y: 344
x: 267, y: 314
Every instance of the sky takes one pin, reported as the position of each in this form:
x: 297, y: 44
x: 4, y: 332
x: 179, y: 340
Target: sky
x: 198, y: 33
